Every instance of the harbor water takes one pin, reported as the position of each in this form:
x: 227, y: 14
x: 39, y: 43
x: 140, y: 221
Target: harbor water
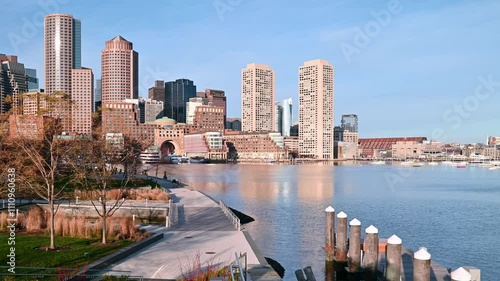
x: 452, y: 212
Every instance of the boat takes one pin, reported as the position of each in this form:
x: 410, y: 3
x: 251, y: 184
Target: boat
x: 494, y: 168
x: 407, y: 163
x: 433, y: 163
x: 151, y: 155
x: 447, y: 163
x: 378, y: 163
x: 197, y: 160
x: 184, y: 159
x: 417, y: 164
x: 173, y: 159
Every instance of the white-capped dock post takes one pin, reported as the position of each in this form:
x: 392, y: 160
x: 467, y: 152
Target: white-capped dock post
x: 370, y: 259
x: 422, y: 265
x: 355, y: 246
x: 330, y: 234
x: 393, y: 258
x: 461, y: 274
x: 341, y: 241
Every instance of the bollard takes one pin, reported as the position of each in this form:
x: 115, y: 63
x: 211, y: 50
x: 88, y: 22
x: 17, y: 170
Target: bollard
x: 393, y: 257
x: 341, y: 241
x: 355, y: 246
x: 461, y: 274
x: 370, y: 258
x: 330, y: 234
x: 421, y: 265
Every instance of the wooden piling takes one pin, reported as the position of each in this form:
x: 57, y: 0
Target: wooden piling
x: 421, y: 265
x: 330, y: 234
x: 370, y: 259
x: 355, y: 246
x: 393, y: 258
x: 341, y: 241
x: 461, y: 274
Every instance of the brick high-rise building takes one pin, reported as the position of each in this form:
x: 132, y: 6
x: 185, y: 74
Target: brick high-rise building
x: 82, y: 94
x: 158, y: 91
x: 316, y: 105
x: 120, y: 71
x: 258, y: 96
x: 217, y: 98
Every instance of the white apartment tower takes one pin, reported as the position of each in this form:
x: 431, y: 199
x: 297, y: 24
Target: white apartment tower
x: 316, y: 110
x: 257, y: 96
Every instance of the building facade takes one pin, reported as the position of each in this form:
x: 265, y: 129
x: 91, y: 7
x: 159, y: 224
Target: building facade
x: 120, y: 71
x: 191, y: 108
x: 349, y: 122
x: 209, y: 118
x: 32, y: 79
x: 217, y: 98
x: 177, y: 94
x: 258, y: 96
x: 157, y: 92
x: 97, y: 95
x: 350, y: 137
x: 62, y: 47
x: 82, y: 93
x: 233, y: 124
x: 256, y: 147
x: 316, y: 115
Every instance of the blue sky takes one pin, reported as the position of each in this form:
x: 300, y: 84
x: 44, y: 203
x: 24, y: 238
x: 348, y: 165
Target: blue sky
x: 415, y: 74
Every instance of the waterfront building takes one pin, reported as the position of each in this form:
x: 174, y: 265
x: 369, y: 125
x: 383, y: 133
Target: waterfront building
x: 256, y: 147
x: 31, y: 103
x: 191, y: 107
x: 233, y: 124
x: 494, y: 141
x: 347, y: 150
x: 209, y: 118
x: 97, y: 95
x: 13, y: 81
x: 415, y: 149
x: 338, y: 133
x: 373, y: 147
x: 350, y: 137
x: 82, y: 93
x: 258, y: 96
x: 350, y: 122
x: 32, y: 79
x: 209, y: 145
x: 120, y: 71
x: 316, y: 110
x: 150, y: 110
x: 292, y: 144
x: 177, y: 94
x: 62, y: 48
x: 284, y: 116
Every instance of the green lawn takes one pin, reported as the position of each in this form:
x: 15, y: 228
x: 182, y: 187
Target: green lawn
x: 27, y: 253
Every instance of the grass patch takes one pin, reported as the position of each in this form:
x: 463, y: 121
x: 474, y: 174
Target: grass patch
x: 28, y: 254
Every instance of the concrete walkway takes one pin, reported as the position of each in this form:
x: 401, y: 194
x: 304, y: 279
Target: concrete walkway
x: 202, y: 236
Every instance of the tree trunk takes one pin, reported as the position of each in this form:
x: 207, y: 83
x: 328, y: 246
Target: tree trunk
x: 52, y: 224
x: 104, y: 217
x: 104, y: 228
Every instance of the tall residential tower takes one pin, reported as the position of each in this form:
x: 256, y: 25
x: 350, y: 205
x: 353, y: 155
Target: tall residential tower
x: 258, y: 96
x: 316, y: 110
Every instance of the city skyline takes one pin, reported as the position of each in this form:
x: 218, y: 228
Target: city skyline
x: 443, y: 69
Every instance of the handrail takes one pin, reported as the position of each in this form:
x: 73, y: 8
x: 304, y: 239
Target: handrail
x: 170, y: 220
x: 242, y: 271
x: 232, y: 217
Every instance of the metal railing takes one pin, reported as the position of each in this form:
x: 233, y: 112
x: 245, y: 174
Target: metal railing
x: 171, y: 213
x: 232, y: 217
x: 238, y: 272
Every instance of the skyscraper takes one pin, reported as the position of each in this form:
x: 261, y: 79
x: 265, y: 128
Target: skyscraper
x: 177, y: 94
x: 62, y: 46
x: 217, y: 98
x: 284, y: 116
x: 349, y: 122
x: 120, y: 71
x: 316, y: 105
x: 13, y: 81
x: 32, y: 79
x: 258, y: 96
x: 158, y: 91
x: 82, y: 95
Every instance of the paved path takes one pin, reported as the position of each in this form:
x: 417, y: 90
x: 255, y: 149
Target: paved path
x: 201, y: 236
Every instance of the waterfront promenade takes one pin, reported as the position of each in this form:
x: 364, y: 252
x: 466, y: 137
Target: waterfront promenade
x: 201, y: 236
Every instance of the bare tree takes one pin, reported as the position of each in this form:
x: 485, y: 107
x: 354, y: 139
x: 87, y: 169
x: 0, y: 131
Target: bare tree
x: 95, y: 172
x: 41, y: 153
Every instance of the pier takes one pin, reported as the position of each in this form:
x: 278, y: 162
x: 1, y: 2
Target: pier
x: 202, y: 235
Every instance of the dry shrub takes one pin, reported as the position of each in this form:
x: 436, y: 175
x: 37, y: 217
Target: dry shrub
x: 3, y: 220
x: 65, y: 226
x: 114, y: 194
x: 80, y: 226
x: 21, y: 221
x: 35, y: 219
x: 58, y: 224
x: 125, y: 226
x: 73, y: 227
x: 97, y: 229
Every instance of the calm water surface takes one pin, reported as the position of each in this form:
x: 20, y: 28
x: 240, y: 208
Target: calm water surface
x: 453, y: 212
